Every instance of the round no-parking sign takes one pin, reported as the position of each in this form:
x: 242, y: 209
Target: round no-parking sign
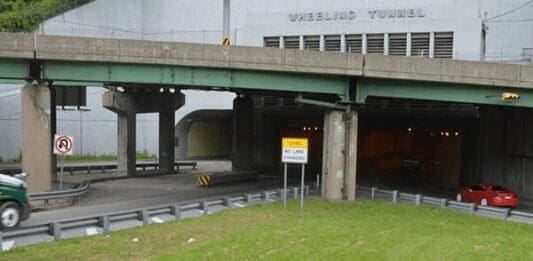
x: 63, y: 145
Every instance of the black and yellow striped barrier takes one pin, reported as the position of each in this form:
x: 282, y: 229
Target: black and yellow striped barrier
x: 226, y: 178
x: 203, y: 180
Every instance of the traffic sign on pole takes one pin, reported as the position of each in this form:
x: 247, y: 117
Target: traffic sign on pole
x: 294, y: 150
x: 63, y: 145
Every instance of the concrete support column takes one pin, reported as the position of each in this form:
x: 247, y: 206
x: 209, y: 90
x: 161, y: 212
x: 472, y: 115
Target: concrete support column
x: 166, y: 140
x: 350, y: 161
x: 126, y: 138
x: 37, y: 126
x: 340, y: 155
x: 334, y: 180
x: 242, y: 133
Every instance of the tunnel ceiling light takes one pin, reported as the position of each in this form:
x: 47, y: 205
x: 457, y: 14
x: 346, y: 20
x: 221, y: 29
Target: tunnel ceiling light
x: 409, y: 129
x: 447, y: 134
x: 456, y: 133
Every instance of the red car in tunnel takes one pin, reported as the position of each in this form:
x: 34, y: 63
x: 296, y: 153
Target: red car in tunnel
x: 488, y: 195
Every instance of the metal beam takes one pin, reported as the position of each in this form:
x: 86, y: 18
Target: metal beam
x: 441, y: 92
x: 14, y: 69
x: 231, y: 79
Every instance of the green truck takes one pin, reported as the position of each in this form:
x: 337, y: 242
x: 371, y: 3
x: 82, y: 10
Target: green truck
x: 14, y: 206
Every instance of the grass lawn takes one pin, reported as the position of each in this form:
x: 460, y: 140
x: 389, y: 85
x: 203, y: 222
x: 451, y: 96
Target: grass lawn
x: 365, y: 230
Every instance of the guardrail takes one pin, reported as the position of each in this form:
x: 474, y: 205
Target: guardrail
x: 472, y: 208
x: 70, y: 193
x: 72, y: 169
x: 105, y: 222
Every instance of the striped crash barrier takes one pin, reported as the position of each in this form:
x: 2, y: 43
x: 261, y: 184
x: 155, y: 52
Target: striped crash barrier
x: 226, y: 178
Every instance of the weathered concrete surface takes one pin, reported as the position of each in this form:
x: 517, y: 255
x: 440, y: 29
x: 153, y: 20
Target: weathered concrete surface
x: 446, y: 70
x: 350, y: 154
x: 36, y: 137
x: 142, y: 102
x: 126, y: 143
x: 268, y: 59
x: 16, y: 45
x: 334, y: 175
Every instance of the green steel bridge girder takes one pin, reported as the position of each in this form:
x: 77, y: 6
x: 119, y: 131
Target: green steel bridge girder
x: 434, y: 91
x: 14, y: 70
x: 62, y: 73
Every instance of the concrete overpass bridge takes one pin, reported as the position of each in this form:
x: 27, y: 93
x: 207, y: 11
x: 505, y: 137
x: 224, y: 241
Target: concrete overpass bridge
x: 146, y: 76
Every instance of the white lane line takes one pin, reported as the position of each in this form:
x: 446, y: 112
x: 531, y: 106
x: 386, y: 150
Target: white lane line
x: 7, y: 245
x: 157, y: 220
x: 238, y: 205
x: 91, y: 231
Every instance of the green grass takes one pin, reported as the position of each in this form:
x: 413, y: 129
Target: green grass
x: 367, y: 230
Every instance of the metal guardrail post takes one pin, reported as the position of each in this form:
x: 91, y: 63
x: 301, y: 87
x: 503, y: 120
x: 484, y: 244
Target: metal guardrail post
x: 143, y: 216
x: 204, y: 206
x: 1, y: 242
x: 265, y: 195
x: 444, y: 203
x: 306, y: 190
x: 295, y: 192
x: 55, y: 230
x: 248, y: 198
x: 418, y: 199
x: 373, y: 193
x: 505, y: 213
x: 472, y: 208
x: 176, y: 211
x: 227, y: 202
x: 395, y: 196
x: 280, y: 193
x: 103, y: 222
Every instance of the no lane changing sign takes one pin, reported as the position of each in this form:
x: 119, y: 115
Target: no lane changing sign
x: 294, y: 150
x: 63, y: 145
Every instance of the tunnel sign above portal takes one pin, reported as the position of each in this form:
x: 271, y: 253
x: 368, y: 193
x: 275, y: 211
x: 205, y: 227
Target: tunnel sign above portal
x: 294, y: 150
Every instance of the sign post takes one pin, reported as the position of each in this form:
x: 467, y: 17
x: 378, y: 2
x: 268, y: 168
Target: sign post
x: 294, y: 150
x: 63, y: 145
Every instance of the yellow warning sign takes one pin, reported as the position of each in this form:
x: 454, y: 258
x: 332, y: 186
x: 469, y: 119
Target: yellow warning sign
x: 225, y: 42
x: 301, y: 143
x: 294, y: 150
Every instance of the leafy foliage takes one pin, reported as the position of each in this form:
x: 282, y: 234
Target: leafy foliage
x: 26, y: 15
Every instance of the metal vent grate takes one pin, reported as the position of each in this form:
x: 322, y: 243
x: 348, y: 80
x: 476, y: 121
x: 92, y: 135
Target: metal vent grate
x: 312, y: 42
x: 291, y: 42
x: 271, y: 101
x: 374, y: 43
x: 398, y: 44
x: 420, y: 44
x: 271, y: 41
x: 354, y: 43
x: 443, y: 45
x: 332, y: 43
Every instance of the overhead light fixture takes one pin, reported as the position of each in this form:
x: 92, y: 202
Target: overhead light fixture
x: 509, y: 96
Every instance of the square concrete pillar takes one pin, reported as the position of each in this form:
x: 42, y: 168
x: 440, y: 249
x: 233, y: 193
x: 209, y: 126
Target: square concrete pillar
x: 37, y: 126
x: 126, y: 138
x: 166, y: 140
x: 334, y: 149
x: 351, y: 122
x: 242, y: 133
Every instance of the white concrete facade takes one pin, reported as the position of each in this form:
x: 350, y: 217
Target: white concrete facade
x: 508, y: 37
